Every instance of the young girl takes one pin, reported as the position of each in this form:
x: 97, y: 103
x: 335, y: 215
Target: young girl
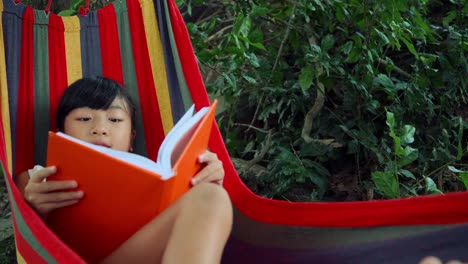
x: 194, y: 229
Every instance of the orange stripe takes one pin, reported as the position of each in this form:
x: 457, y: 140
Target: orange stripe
x: 156, y: 55
x: 4, y: 97
x: 72, y: 48
x: 154, y: 131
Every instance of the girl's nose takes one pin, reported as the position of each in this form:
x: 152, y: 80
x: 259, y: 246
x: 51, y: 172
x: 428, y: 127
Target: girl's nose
x: 100, y: 129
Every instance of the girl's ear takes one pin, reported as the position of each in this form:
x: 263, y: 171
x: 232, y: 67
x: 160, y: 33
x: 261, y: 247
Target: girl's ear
x: 132, y: 139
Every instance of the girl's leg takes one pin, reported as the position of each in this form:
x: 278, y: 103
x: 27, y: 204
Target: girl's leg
x: 195, y: 229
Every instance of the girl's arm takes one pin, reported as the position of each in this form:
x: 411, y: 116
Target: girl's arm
x: 21, y: 181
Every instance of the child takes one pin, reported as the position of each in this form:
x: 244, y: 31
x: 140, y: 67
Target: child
x: 193, y: 229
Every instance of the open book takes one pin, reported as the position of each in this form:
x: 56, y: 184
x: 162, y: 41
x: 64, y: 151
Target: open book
x: 123, y: 191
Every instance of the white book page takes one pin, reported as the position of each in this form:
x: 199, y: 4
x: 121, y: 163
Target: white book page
x: 128, y: 157
x: 177, y: 139
x: 179, y: 123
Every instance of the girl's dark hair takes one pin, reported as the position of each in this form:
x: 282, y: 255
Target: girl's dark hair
x: 95, y: 93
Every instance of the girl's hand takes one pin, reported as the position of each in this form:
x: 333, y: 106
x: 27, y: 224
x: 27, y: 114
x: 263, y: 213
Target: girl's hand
x: 435, y: 260
x: 45, y: 196
x: 212, y: 171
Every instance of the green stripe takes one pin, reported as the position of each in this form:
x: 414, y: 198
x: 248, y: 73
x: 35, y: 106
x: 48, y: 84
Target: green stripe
x: 186, y: 97
x: 23, y: 228
x: 129, y: 73
x: 41, y: 86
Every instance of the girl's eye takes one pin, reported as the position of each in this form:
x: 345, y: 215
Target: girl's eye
x: 83, y: 119
x: 115, y: 120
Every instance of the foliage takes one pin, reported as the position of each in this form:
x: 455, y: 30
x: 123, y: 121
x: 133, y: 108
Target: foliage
x: 76, y: 4
x: 7, y: 245
x: 339, y: 100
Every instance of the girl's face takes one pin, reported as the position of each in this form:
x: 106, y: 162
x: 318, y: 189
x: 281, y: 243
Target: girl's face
x: 111, y: 128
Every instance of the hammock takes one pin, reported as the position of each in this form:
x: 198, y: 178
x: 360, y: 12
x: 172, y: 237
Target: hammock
x: 145, y: 45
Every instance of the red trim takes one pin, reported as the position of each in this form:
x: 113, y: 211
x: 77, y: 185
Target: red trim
x: 25, y: 118
x: 47, y: 8
x: 83, y: 11
x: 187, y: 57
x: 57, y: 65
x: 154, y: 133
x: 110, y: 47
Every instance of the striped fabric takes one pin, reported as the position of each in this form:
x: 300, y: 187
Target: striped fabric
x: 144, y: 45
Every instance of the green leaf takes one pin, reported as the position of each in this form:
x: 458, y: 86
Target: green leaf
x: 347, y: 47
x: 306, y: 77
x: 464, y: 178
x: 180, y: 2
x: 256, y: 45
x: 431, y: 187
x: 382, y: 36
x: 407, y: 174
x: 452, y: 15
x: 259, y: 11
x: 75, y: 4
x: 245, y: 27
x: 238, y: 24
x: 462, y: 174
x: 327, y: 42
x: 407, y: 134
x: 253, y: 59
x: 387, y: 183
x: 410, y: 46
x: 249, y: 79
x: 410, y: 155
x: 67, y: 12
x: 231, y: 80
x: 391, y: 123
x: 354, y: 55
x: 384, y: 80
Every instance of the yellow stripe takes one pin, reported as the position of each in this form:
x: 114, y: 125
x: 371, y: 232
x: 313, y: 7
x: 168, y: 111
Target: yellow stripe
x: 4, y: 98
x: 19, y: 257
x: 72, y: 48
x: 1, y: 6
x: 156, y: 55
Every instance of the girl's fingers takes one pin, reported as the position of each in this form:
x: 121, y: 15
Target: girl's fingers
x: 52, y: 186
x: 48, y: 207
x: 213, y: 172
x: 38, y: 199
x: 41, y: 174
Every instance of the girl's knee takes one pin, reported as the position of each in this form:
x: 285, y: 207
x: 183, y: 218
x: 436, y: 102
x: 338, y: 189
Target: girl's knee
x: 212, y: 195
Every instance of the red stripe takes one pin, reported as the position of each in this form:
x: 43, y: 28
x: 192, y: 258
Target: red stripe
x: 26, y: 251
x: 57, y: 65
x: 25, y: 112
x: 154, y: 133
x: 110, y: 47
x: 189, y: 63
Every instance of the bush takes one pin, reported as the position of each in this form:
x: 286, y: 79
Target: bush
x: 339, y: 100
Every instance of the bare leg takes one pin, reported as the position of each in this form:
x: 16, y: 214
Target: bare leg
x: 195, y: 229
